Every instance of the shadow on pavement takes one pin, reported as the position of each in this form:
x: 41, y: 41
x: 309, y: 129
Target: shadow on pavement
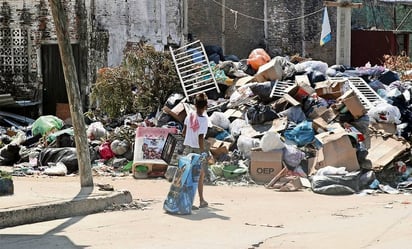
x: 202, y: 214
x: 47, y: 240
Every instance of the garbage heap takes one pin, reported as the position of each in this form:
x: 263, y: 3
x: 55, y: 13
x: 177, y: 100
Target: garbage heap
x: 283, y: 123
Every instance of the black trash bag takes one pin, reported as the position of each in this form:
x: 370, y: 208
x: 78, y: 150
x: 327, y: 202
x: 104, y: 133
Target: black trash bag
x: 336, y: 184
x: 164, y: 118
x: 9, y: 155
x: 174, y: 99
x: 259, y: 114
x: 317, y: 76
x: 214, y: 53
x: 263, y: 90
x: 66, y: 155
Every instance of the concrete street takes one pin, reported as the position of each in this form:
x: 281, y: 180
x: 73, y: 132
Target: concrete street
x: 237, y: 217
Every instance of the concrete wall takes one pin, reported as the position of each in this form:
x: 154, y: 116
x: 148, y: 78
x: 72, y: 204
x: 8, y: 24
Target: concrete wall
x: 101, y: 27
x: 215, y: 23
x: 295, y: 28
x: 239, y: 26
x: 158, y: 22
x: 32, y: 19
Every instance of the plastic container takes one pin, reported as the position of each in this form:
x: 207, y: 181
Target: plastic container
x: 141, y: 172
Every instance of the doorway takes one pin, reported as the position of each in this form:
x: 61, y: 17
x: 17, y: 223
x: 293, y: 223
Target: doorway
x: 54, y: 86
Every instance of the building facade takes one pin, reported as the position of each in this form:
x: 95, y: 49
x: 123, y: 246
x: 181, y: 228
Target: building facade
x: 30, y: 67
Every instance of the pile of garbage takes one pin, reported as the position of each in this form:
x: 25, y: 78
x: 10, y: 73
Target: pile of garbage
x: 283, y: 123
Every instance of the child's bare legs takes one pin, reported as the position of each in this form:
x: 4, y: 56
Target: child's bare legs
x: 203, y: 203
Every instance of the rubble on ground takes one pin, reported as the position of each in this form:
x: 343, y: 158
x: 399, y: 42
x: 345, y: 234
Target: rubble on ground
x: 283, y: 125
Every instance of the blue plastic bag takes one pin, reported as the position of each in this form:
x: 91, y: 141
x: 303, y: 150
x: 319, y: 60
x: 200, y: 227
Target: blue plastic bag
x: 180, y: 198
x: 302, y: 134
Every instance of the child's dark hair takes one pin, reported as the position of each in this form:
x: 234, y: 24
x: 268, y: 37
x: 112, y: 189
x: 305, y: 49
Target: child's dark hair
x: 201, y: 100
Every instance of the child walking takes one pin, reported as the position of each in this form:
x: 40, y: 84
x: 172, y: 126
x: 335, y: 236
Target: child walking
x: 194, y: 131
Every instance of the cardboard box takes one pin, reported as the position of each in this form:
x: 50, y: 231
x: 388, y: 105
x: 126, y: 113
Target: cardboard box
x: 300, y: 91
x: 178, y: 112
x: 330, y: 89
x: 232, y: 114
x: 385, y: 149
x: 336, y: 150
x: 156, y: 168
x: 265, y: 165
x: 319, y: 125
x: 353, y: 103
x: 244, y: 80
x: 149, y: 143
x: 63, y: 111
x: 218, y: 147
x: 303, y: 82
x: 269, y: 71
x: 327, y: 114
x: 385, y: 127
x: 279, y: 124
x: 288, y: 183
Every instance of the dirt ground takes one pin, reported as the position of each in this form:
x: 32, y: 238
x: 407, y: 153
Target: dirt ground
x: 237, y: 217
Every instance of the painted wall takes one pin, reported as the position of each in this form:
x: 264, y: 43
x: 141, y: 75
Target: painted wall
x: 101, y: 28
x: 158, y: 22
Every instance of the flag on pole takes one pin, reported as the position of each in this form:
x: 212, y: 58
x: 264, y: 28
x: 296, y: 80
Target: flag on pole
x: 326, y: 32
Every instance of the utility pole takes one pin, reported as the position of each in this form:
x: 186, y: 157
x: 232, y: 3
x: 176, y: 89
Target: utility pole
x: 343, y: 29
x: 73, y: 92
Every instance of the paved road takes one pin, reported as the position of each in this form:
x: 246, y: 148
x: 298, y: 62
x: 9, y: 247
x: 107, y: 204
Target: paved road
x: 238, y: 217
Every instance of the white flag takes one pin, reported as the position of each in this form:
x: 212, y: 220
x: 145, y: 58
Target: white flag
x: 326, y: 32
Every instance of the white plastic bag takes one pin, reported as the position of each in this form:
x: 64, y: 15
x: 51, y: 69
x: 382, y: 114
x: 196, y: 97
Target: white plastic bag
x: 385, y: 113
x: 220, y: 119
x: 236, y: 126
x: 271, y: 141
x: 96, y: 130
x: 245, y: 144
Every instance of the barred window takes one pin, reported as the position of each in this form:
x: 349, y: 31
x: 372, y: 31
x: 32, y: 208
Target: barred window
x: 14, y: 57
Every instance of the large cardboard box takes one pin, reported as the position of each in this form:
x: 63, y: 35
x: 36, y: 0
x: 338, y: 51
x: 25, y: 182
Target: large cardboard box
x: 336, y: 150
x: 330, y: 89
x: 218, y: 147
x: 385, y: 149
x: 269, y: 71
x: 353, y: 103
x: 265, y: 165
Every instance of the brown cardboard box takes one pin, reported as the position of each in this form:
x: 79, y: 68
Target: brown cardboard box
x: 63, y: 111
x: 336, y: 150
x: 288, y: 183
x: 296, y: 92
x: 327, y: 114
x: 353, y: 103
x: 384, y: 149
x: 234, y: 113
x: 265, y: 165
x: 319, y: 125
x: 303, y: 82
x: 178, y: 112
x: 218, y: 147
x: 329, y: 89
x: 244, y: 80
x: 269, y: 71
x: 385, y: 127
x: 280, y: 124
